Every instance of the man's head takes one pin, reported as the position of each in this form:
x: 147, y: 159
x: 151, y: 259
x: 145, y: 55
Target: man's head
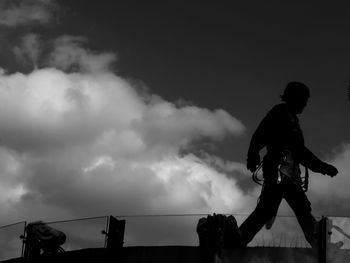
x: 296, y: 95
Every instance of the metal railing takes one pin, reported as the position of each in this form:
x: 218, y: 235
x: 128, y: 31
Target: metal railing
x: 165, y: 230
x: 11, y: 246
x: 82, y: 233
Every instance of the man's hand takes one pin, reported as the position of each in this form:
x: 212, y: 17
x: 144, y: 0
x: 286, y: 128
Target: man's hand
x: 253, y: 162
x: 329, y: 170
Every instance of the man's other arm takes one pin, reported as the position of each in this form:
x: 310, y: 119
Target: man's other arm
x: 310, y: 160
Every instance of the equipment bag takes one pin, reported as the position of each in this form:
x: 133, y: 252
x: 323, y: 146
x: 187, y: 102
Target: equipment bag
x: 218, y: 231
x: 46, y: 236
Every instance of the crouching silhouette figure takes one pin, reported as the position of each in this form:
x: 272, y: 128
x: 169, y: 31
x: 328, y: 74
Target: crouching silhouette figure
x: 280, y: 133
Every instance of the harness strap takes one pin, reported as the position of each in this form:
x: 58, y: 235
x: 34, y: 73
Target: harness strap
x: 306, y: 180
x: 255, y: 177
x: 260, y: 181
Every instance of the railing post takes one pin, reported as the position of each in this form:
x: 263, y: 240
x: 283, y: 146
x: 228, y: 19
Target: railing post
x: 323, y: 237
x: 115, y: 233
x: 106, y: 231
x: 24, y: 238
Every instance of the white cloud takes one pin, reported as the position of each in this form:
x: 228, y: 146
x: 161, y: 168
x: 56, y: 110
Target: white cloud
x: 26, y: 11
x: 331, y: 195
x: 70, y: 140
x: 86, y: 143
x: 29, y: 49
x: 68, y: 53
x: 163, y: 123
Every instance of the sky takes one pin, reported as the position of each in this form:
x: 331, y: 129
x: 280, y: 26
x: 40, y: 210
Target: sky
x: 129, y: 108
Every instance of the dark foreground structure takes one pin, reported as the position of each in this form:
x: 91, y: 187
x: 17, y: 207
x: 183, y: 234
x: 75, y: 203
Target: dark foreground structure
x: 207, y: 251
x: 175, y: 254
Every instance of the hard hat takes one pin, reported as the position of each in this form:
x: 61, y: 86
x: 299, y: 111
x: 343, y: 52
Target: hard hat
x: 295, y: 90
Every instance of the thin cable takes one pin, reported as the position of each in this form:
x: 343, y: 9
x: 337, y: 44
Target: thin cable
x: 161, y: 215
x: 78, y: 219
x: 183, y: 215
x: 255, y: 177
x: 22, y: 222
x: 134, y: 216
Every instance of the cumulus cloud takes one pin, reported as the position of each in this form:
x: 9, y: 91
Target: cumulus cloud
x: 78, y: 140
x: 29, y: 49
x: 14, y: 13
x: 95, y: 130
x: 69, y: 54
x: 332, y: 194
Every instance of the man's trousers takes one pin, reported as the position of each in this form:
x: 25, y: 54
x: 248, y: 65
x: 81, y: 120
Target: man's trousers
x: 268, y: 203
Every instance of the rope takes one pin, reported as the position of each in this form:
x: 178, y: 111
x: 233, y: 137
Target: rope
x: 260, y: 181
x: 306, y: 180
x: 255, y: 177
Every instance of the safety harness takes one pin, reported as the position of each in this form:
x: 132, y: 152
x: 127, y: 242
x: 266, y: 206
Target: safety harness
x: 260, y: 180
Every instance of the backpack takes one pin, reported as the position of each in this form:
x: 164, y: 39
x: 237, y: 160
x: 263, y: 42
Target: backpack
x: 45, y: 237
x: 218, y: 231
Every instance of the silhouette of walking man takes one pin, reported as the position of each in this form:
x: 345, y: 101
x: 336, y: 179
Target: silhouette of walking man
x: 280, y: 133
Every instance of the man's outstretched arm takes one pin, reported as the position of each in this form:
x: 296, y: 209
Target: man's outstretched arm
x: 309, y: 160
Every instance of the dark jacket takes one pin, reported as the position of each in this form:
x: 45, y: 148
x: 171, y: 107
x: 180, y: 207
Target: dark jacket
x: 278, y: 131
